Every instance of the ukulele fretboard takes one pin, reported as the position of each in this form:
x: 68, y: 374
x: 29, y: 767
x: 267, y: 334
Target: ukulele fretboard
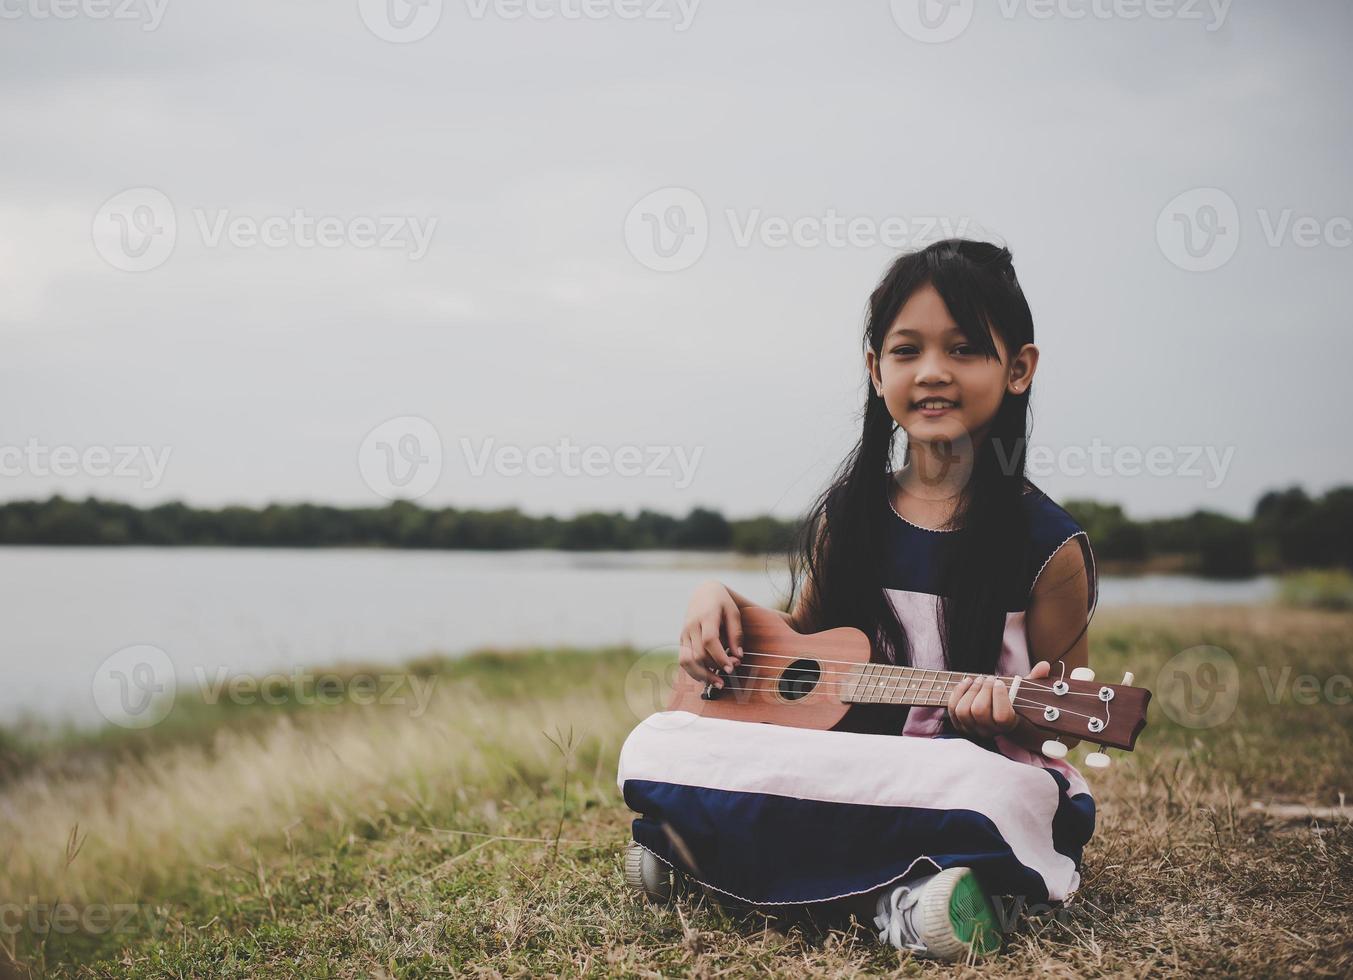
x: 886, y: 684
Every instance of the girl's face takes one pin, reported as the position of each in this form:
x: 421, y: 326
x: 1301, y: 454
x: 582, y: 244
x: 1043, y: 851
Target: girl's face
x: 925, y: 360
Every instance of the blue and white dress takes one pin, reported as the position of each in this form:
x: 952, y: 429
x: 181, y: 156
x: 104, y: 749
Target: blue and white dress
x: 774, y: 815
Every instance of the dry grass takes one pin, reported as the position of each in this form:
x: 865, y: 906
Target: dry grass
x: 351, y: 843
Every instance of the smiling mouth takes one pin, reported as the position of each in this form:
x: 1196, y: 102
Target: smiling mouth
x: 931, y: 405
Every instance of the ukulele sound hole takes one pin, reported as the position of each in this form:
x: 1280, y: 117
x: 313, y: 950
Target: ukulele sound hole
x: 799, y: 679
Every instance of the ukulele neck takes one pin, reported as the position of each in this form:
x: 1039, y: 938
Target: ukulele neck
x: 875, y: 683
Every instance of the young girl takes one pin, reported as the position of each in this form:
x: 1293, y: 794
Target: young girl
x: 954, y: 561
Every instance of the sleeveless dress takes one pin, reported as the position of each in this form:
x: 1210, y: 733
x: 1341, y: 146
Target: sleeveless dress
x: 772, y: 815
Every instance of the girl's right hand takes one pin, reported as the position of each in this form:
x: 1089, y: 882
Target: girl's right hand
x: 711, y: 638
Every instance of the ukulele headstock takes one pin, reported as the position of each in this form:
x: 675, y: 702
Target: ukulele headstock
x: 1078, y: 706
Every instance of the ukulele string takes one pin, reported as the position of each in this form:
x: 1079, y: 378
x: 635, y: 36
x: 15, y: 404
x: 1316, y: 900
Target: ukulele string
x: 1017, y: 702
x: 924, y: 686
x: 941, y: 698
x: 848, y: 663
x: 951, y: 676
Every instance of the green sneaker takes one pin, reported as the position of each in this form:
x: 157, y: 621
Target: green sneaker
x: 944, y: 916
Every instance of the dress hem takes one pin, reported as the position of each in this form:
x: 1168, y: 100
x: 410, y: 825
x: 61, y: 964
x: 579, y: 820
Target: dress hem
x: 808, y: 901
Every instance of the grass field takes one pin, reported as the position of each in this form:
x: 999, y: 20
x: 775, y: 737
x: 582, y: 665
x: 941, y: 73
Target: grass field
x: 483, y: 837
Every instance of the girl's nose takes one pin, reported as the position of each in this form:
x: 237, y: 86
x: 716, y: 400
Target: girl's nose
x: 932, y: 370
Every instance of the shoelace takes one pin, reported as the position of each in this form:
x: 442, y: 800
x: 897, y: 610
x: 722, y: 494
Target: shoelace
x: 901, y: 908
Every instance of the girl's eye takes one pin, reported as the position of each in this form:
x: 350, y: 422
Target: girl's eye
x: 963, y: 350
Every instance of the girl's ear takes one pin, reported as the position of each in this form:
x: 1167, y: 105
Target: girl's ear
x: 871, y: 364
x: 1022, y: 369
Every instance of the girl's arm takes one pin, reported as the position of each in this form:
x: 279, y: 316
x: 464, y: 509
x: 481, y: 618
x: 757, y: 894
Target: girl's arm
x: 742, y: 602
x: 1057, y: 611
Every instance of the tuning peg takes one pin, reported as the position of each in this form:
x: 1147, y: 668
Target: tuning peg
x: 1083, y: 674
x: 1128, y: 678
x: 1098, y: 760
x: 1054, y: 749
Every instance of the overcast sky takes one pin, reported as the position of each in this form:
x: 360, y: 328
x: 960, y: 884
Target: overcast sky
x: 553, y: 227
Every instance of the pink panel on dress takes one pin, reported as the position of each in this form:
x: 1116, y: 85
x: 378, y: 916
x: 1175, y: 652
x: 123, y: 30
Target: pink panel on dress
x: 919, y: 614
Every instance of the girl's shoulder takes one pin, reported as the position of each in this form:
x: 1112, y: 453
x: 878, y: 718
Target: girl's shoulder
x: 1050, y: 527
x: 1049, y: 522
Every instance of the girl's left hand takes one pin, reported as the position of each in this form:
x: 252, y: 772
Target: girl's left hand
x: 981, y: 706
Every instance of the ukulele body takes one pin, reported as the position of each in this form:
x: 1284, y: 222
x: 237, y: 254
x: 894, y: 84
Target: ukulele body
x: 789, y: 678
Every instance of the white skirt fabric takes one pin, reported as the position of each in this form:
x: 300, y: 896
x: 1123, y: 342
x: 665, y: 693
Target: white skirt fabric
x: 775, y: 815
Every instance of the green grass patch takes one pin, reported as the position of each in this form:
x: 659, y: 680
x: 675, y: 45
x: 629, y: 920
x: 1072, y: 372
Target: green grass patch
x: 1317, y: 589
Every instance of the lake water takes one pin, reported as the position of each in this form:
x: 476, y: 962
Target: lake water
x: 257, y: 610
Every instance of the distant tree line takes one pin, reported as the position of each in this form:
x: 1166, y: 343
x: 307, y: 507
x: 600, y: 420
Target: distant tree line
x: 398, y: 525
x: 1288, y: 529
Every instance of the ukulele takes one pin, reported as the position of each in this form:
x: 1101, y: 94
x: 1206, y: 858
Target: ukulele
x: 824, y: 680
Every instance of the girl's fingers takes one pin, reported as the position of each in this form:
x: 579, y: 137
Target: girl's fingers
x: 692, y: 661
x: 733, y: 619
x: 686, y: 660
x: 1002, y: 711
x: 1041, y: 669
x: 955, y: 694
x: 951, y: 706
x: 734, y: 630
x: 962, y: 713
x: 709, y: 642
x: 981, y: 705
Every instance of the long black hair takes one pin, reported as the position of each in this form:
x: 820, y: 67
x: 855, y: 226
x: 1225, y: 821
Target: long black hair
x: 840, y: 545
